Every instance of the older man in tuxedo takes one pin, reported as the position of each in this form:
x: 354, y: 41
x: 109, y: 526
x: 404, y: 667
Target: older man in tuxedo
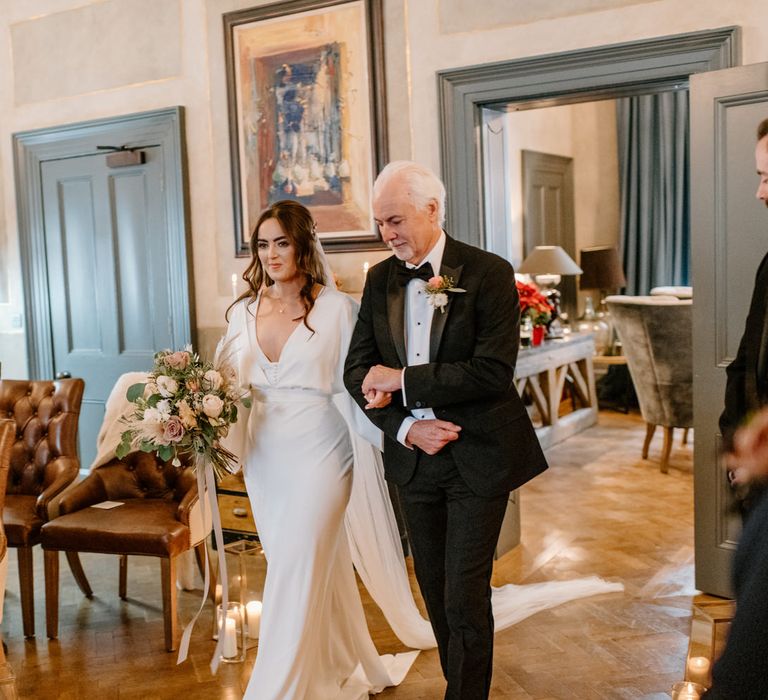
x: 432, y: 360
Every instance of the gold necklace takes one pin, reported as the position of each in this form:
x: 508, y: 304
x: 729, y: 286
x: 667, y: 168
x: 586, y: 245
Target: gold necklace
x: 281, y: 306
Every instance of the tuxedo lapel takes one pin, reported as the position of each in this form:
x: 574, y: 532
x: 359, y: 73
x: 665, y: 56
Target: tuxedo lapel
x: 450, y: 267
x: 396, y: 313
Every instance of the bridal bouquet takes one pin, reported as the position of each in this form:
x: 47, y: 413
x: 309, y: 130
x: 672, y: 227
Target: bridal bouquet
x: 185, y: 408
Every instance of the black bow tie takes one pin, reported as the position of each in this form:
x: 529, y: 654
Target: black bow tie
x: 406, y: 274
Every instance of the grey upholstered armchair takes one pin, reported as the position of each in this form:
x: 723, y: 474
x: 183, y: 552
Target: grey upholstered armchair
x: 655, y: 333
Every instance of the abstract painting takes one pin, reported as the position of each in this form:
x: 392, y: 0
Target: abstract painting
x: 306, y: 115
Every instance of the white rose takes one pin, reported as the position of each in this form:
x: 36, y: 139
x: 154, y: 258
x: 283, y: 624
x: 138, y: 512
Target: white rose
x: 438, y: 300
x: 149, y: 389
x: 164, y: 407
x: 212, y: 405
x: 212, y: 380
x: 152, y: 415
x: 167, y: 386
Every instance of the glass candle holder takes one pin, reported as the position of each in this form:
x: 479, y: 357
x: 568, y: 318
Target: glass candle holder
x: 233, y: 643
x: 687, y: 690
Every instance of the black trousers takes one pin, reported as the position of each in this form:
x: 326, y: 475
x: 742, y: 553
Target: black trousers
x: 453, y: 534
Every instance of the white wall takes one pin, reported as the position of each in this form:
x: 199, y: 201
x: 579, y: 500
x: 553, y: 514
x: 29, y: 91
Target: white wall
x: 71, y: 60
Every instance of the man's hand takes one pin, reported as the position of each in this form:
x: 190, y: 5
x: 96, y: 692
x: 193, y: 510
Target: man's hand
x: 431, y: 436
x: 381, y: 378
x: 749, y: 459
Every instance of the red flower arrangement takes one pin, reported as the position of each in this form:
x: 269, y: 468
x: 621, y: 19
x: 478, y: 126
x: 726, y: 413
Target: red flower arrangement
x: 534, y: 304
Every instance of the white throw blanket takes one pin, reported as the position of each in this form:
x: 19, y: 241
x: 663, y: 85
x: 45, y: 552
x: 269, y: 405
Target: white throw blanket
x: 108, y: 439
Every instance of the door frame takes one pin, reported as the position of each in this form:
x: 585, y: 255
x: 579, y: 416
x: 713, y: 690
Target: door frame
x: 563, y: 166
x: 584, y: 75
x: 163, y: 128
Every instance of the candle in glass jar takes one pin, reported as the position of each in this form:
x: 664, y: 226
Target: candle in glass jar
x: 229, y: 645
x: 253, y: 613
x: 698, y: 669
x: 686, y: 690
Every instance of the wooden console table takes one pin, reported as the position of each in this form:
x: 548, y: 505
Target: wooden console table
x: 542, y: 373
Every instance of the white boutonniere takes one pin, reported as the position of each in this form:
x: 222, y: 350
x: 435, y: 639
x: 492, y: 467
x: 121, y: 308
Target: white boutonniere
x: 437, y: 291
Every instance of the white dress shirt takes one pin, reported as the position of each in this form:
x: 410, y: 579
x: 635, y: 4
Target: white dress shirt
x: 418, y: 322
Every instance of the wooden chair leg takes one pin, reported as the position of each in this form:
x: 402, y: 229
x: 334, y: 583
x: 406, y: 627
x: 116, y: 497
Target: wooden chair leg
x: 650, y: 429
x: 685, y: 436
x: 667, y: 448
x: 26, y: 590
x: 77, y: 571
x: 123, y: 576
x: 51, y: 561
x: 170, y: 613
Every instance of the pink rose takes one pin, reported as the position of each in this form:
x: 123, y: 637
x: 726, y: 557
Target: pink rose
x: 174, y: 430
x: 435, y: 281
x: 178, y: 360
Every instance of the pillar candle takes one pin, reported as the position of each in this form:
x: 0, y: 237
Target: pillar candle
x: 229, y: 645
x: 253, y: 613
x: 698, y: 670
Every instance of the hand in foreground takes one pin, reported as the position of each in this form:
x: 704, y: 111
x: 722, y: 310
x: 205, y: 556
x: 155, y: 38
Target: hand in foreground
x: 749, y: 460
x: 381, y: 378
x: 431, y: 436
x: 378, y: 399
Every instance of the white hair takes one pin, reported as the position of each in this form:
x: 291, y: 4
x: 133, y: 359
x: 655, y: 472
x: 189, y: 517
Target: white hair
x: 423, y: 185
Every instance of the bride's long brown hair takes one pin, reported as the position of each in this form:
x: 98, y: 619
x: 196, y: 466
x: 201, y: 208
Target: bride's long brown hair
x: 299, y: 228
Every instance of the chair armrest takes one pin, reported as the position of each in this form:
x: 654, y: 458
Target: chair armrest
x: 59, y: 474
x: 186, y: 504
x: 89, y: 491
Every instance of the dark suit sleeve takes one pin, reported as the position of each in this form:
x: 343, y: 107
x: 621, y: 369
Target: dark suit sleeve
x: 740, y: 671
x: 362, y: 355
x: 491, y: 369
x: 735, y: 410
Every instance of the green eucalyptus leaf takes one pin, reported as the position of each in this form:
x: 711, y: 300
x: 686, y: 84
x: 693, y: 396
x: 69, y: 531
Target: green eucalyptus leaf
x: 134, y: 392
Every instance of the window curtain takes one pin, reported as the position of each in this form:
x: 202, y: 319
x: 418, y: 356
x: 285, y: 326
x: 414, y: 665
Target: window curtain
x: 654, y: 169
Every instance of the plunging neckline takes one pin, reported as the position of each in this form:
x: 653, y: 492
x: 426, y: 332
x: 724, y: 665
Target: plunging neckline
x: 287, y: 340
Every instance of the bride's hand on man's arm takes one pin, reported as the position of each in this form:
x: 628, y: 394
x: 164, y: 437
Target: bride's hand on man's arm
x: 378, y: 399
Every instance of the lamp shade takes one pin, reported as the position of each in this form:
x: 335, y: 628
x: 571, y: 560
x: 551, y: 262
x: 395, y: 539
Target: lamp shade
x: 549, y: 260
x: 602, y: 268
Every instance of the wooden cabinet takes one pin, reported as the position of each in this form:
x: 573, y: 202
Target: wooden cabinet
x: 236, y: 516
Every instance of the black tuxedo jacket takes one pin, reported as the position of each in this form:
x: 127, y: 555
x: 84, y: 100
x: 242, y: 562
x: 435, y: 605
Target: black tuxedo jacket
x: 746, y: 390
x: 469, y: 379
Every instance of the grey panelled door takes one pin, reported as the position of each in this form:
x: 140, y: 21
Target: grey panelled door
x: 107, y: 274
x: 548, y: 207
x: 729, y: 230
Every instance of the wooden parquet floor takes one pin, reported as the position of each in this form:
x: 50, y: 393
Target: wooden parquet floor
x: 600, y: 510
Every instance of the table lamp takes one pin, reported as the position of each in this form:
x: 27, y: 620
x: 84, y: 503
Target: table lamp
x: 547, y: 264
x: 602, y: 270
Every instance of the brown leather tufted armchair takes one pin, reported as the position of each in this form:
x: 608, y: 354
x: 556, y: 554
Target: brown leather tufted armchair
x: 7, y: 438
x: 43, y: 463
x: 154, y: 521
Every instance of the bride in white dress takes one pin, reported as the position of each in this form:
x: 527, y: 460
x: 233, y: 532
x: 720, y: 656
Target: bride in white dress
x: 288, y: 337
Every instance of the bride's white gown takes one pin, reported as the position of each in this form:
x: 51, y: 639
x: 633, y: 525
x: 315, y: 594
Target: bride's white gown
x: 297, y: 451
x: 314, y: 643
